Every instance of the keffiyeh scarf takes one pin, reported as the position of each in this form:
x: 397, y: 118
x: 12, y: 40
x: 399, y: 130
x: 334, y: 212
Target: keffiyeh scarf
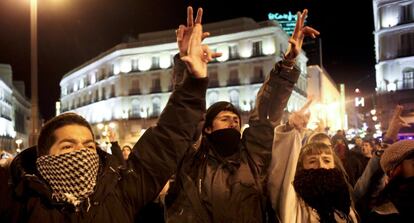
x: 72, y: 176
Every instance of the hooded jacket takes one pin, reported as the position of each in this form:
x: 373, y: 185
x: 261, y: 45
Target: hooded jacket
x: 209, y: 188
x: 120, y: 192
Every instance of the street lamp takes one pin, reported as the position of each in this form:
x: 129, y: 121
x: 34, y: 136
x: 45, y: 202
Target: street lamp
x: 105, y: 132
x: 33, y: 73
x: 18, y: 142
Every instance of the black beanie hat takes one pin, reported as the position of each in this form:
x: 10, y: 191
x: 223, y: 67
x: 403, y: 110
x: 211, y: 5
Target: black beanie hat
x: 216, y: 108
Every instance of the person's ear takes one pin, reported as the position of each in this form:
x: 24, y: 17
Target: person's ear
x: 208, y: 130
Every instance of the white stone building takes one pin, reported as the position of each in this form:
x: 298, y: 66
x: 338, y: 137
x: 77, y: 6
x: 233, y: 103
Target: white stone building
x: 394, y: 47
x: 129, y: 84
x: 14, y: 112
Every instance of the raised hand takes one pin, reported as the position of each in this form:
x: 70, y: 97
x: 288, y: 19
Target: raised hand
x: 395, y: 124
x: 192, y: 52
x: 198, y: 55
x: 183, y: 32
x: 296, y: 40
x: 299, y: 119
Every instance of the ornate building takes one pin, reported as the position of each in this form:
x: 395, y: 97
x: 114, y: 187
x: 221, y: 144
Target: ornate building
x: 394, y: 47
x: 129, y: 85
x: 14, y: 112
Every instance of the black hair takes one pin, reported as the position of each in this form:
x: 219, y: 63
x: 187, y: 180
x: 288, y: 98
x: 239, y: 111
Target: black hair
x: 47, y: 134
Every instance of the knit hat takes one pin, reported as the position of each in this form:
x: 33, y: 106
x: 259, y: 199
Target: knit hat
x: 395, y: 154
x: 216, y: 108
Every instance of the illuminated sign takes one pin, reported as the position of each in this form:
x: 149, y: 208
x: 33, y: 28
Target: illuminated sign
x: 359, y: 102
x: 286, y: 21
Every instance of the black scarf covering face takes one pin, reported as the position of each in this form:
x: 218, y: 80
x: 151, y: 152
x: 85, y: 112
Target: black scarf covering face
x: 324, y: 190
x: 225, y: 141
x: 72, y: 176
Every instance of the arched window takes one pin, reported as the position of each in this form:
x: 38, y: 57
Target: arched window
x: 212, y: 98
x: 156, y: 106
x: 135, y: 109
x: 234, y: 97
x: 408, y: 78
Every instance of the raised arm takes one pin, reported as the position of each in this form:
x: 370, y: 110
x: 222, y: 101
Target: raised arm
x: 373, y: 173
x: 285, y: 152
x: 273, y: 97
x: 274, y: 94
x: 156, y: 155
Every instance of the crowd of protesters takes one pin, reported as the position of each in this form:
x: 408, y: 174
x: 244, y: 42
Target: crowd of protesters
x: 196, y: 165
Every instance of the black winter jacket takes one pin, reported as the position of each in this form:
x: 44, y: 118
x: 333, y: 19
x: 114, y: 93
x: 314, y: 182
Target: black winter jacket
x: 209, y: 188
x: 120, y: 193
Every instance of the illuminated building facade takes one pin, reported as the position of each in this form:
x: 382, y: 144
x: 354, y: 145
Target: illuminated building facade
x: 394, y: 47
x: 14, y: 112
x: 129, y: 85
x: 328, y: 102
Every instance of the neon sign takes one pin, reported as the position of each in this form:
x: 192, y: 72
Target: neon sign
x: 287, y: 21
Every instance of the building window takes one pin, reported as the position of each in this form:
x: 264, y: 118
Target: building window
x: 134, y: 88
x: 408, y: 78
x: 135, y: 109
x: 407, y: 44
x: 93, y: 78
x: 111, y: 70
x: 233, y: 52
x: 406, y: 14
x: 234, y: 97
x: 112, y: 91
x: 233, y: 77
x: 134, y: 65
x: 212, y: 98
x: 75, y: 87
x: 213, y: 79
x: 103, y: 95
x: 64, y: 91
x: 156, y: 84
x: 258, y: 75
x: 81, y: 83
x: 155, y: 63
x: 257, y: 49
x: 156, y: 106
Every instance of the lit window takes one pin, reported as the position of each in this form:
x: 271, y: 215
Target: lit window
x: 81, y: 83
x: 212, y: 98
x: 156, y: 106
x: 93, y: 78
x: 234, y: 97
x: 224, y: 49
x: 165, y: 61
x: 245, y: 49
x: 144, y: 63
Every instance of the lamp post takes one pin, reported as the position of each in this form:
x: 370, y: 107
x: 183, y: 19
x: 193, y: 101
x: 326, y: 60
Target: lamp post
x: 18, y: 142
x: 33, y: 73
x: 106, y: 131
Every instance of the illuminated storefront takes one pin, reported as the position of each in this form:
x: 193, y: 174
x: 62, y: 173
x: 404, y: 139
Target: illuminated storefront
x: 129, y: 84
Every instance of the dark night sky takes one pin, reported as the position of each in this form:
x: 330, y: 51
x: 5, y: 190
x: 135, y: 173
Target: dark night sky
x: 73, y: 31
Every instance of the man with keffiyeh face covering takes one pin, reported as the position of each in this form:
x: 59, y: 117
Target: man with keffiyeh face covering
x: 68, y: 160
x: 66, y: 178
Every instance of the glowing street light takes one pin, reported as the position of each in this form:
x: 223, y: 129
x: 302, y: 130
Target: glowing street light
x: 18, y: 142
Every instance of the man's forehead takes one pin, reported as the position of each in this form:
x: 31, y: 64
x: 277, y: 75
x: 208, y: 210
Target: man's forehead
x: 73, y: 132
x: 226, y: 113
